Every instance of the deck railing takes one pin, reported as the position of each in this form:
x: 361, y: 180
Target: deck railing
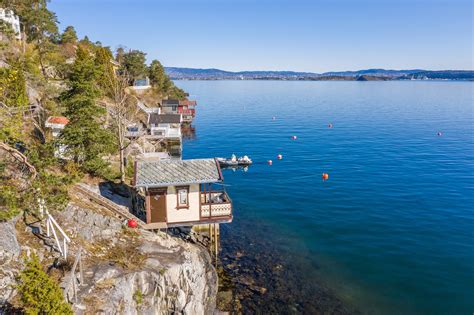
x: 215, y: 204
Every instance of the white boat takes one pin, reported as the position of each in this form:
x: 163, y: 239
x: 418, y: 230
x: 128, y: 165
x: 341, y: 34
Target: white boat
x: 234, y: 161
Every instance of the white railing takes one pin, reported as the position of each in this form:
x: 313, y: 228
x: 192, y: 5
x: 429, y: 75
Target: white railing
x: 216, y: 210
x: 215, y: 204
x: 52, y: 227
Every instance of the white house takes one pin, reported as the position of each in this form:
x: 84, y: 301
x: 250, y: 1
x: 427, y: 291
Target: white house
x: 181, y: 193
x: 165, y: 125
x: 11, y: 18
x: 57, y: 124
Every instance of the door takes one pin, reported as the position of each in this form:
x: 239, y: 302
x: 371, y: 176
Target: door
x: 158, y: 205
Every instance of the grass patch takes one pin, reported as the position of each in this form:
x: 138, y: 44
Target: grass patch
x: 138, y: 297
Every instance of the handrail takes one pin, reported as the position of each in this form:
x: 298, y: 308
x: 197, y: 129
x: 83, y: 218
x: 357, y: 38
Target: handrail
x: 51, y: 226
x: 73, y: 279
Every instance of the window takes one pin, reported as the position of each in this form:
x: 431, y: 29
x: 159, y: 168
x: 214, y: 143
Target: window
x: 183, y: 196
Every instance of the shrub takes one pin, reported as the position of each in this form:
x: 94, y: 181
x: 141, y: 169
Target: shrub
x: 40, y: 294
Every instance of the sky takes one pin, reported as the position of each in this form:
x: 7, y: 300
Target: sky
x: 297, y: 35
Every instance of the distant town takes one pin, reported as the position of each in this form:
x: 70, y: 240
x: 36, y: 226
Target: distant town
x: 177, y: 73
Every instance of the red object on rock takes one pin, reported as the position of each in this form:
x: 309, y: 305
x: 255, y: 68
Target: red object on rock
x: 325, y: 176
x: 132, y: 223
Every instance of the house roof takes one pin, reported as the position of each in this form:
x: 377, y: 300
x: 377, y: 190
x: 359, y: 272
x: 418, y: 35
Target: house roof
x: 164, y: 173
x: 155, y: 118
x: 60, y: 120
x: 187, y: 102
x: 170, y: 103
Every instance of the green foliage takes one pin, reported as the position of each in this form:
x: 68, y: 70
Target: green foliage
x: 7, y: 30
x: 158, y: 77
x: 119, y: 55
x: 49, y: 185
x: 14, y: 99
x: 9, y: 201
x: 130, y: 169
x: 69, y: 35
x: 161, y: 82
x: 134, y: 64
x: 138, y: 297
x: 39, y: 294
x: 38, y: 22
x: 105, y: 70
x: 87, y: 142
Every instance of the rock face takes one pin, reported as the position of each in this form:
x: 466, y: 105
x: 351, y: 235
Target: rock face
x: 171, y: 280
x: 131, y: 272
x: 9, y: 253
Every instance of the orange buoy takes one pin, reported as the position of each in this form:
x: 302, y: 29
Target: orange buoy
x: 270, y: 162
x: 325, y: 176
x: 330, y: 126
x: 293, y: 137
x: 279, y: 156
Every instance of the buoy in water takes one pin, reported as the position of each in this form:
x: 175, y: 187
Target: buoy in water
x: 279, y: 156
x: 439, y: 134
x: 293, y: 137
x: 270, y: 162
x: 132, y: 223
x: 273, y: 118
x: 325, y: 176
x: 330, y: 126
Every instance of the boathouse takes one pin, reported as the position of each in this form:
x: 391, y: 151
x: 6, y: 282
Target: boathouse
x: 182, y: 192
x: 187, y: 109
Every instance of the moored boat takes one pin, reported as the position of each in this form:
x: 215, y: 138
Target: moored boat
x: 234, y: 161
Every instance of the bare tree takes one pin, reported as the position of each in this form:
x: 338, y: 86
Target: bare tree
x: 121, y: 112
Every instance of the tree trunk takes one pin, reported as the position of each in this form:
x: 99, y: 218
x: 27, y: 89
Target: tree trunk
x: 122, y: 166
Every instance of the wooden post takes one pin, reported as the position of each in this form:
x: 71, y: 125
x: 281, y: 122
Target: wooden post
x: 210, y: 238
x: 215, y: 241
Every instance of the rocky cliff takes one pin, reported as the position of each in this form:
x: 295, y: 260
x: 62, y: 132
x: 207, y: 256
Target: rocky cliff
x: 126, y: 271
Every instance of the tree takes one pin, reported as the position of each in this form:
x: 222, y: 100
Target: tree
x: 134, y: 64
x: 105, y: 70
x: 119, y: 53
x: 85, y: 139
x: 69, y: 35
x: 162, y: 83
x: 158, y: 78
x: 39, y: 24
x: 122, y: 112
x: 39, y: 293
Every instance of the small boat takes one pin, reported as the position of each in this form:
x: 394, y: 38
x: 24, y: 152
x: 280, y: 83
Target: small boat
x: 234, y: 161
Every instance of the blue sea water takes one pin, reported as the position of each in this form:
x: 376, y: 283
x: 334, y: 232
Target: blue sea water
x: 391, y: 231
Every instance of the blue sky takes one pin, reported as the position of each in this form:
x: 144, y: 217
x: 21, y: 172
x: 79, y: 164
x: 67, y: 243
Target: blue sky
x: 318, y: 35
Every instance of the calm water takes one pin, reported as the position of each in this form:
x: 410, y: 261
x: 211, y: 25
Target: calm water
x: 391, y: 231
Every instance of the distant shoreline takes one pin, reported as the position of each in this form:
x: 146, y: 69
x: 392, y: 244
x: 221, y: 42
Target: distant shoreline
x: 176, y: 73
x: 324, y: 80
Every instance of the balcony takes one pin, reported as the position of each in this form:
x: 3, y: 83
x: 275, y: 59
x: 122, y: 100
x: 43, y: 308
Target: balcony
x: 165, y: 133
x: 134, y: 131
x: 215, y: 204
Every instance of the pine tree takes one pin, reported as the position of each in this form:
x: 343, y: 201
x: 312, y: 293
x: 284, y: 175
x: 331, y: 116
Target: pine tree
x: 69, y: 35
x: 158, y: 77
x: 85, y: 138
x: 39, y: 293
x: 134, y: 64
